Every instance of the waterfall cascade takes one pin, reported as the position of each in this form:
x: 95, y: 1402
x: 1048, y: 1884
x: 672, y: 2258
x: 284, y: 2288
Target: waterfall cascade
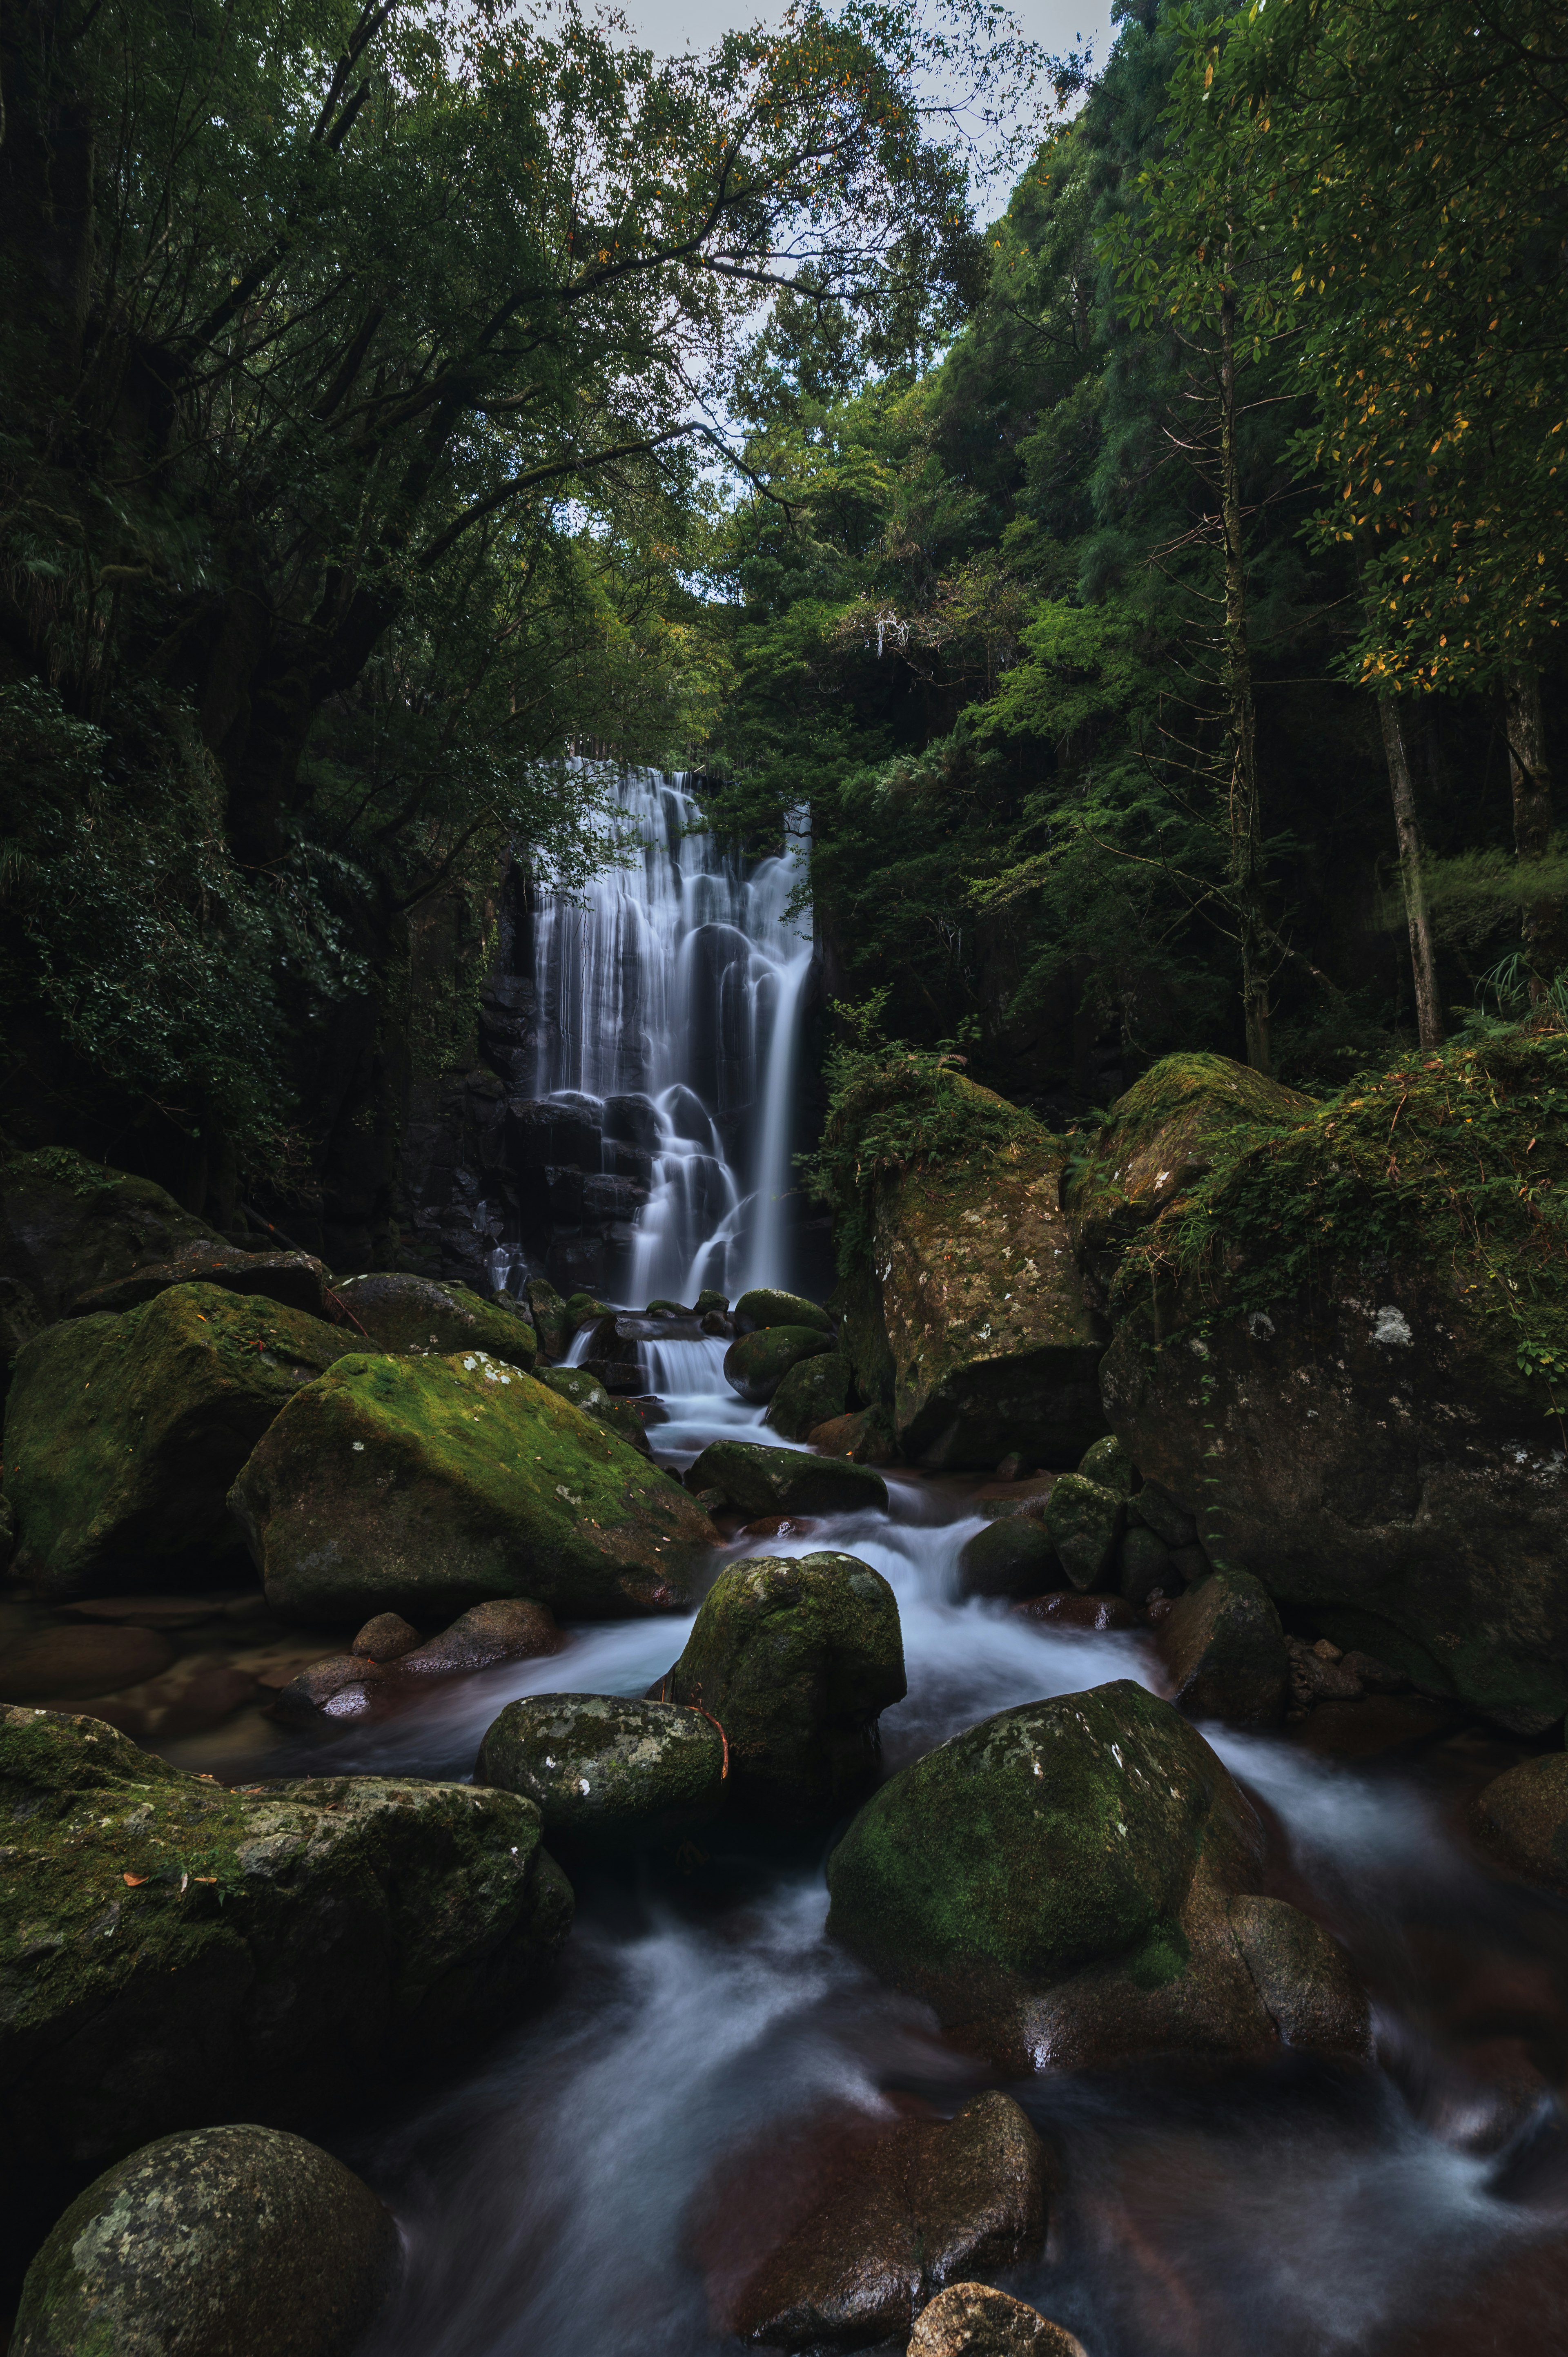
x: 668, y: 1010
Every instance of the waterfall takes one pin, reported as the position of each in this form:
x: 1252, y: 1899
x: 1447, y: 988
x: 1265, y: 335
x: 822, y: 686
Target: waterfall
x: 670, y: 999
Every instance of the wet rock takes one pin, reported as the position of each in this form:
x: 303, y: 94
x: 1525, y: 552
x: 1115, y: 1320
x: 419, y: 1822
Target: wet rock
x: 709, y: 1303
x: 1107, y: 1462
x: 1084, y: 1520
x: 123, y: 1435
x: 69, y: 1664
x: 415, y: 1315
x: 796, y: 1659
x: 813, y: 1392
x: 1225, y: 1651
x: 779, y: 1526
x: 866, y: 1437
x: 1428, y: 1503
x: 622, y: 1377
x: 1069, y: 1609
x: 509, y: 1629
x: 295, y: 1278
x: 1144, y: 1564
x: 968, y: 1316
x: 174, y: 1953
x: 584, y: 1391
x: 1056, y: 1882
x: 337, y: 1686
x: 716, y: 1323
x: 925, y: 2204
x: 386, y: 1638
x: 1317, y: 1673
x: 549, y: 1314
x: 970, y: 2320
x: 761, y: 1481
x: 1305, y: 1978
x: 758, y: 1364
x: 226, y: 2239
x: 1521, y: 1818
x: 586, y: 1309
x: 608, y: 1774
x: 422, y: 1485
x: 1010, y: 1557
x: 767, y: 1305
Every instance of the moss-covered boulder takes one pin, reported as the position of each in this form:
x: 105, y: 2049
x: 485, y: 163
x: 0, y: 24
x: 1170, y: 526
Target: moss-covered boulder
x: 815, y: 1390
x: 124, y: 1435
x: 422, y: 1319
x: 990, y: 1344
x: 224, y: 2239
x: 1084, y: 1520
x: 421, y: 1486
x: 1057, y: 1883
x: 296, y: 1279
x: 608, y: 1774
x: 586, y: 1393
x: 761, y: 1481
x: 1225, y: 1651
x: 1521, y: 1819
x: 174, y: 1954
x: 548, y: 1311
x: 765, y: 1305
x: 1010, y: 1556
x: 1108, y: 1464
x: 1335, y: 1346
x: 756, y: 1364
x: 796, y: 1659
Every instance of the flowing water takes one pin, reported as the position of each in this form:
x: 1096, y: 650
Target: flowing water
x: 580, y: 2189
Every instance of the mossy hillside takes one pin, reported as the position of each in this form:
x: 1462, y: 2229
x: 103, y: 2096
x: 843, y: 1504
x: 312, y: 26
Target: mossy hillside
x: 796, y: 1658
x: 423, y: 1485
x: 123, y: 1434
x: 173, y: 1952
x: 1056, y: 1836
x: 605, y: 1774
x: 421, y: 1319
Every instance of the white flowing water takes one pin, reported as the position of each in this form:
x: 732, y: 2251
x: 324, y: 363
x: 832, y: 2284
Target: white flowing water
x: 678, y: 979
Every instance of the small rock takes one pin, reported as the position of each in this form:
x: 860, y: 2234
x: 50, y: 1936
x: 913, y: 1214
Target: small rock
x: 513, y: 1629
x: 1325, y: 1649
x: 1304, y: 1977
x: 223, y: 2240
x: 386, y: 1638
x: 1521, y: 1819
x: 1010, y: 1556
x: 778, y: 1526
x: 1144, y: 1564
x: 605, y: 1774
x: 710, y: 1303
x: 713, y: 1321
x: 1084, y: 1520
x: 865, y: 1437
x: 1317, y: 1676
x: 1226, y: 1653
x: 341, y: 1680
x: 1010, y: 1469
x: 1069, y: 1609
x: 970, y: 2319
x: 1109, y: 1463
x: 66, y: 1664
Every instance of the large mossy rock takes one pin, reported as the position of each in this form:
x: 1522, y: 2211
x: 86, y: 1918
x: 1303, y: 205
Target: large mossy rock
x: 796, y: 1659
x: 420, y: 1318
x: 124, y: 1435
x: 1057, y: 1883
x: 173, y: 1953
x: 421, y: 1486
x: 227, y: 2239
x: 761, y: 1481
x: 765, y: 1304
x: 586, y: 1393
x: 756, y: 1364
x: 1332, y: 1370
x: 814, y: 1391
x: 978, y: 1310
x: 608, y: 1774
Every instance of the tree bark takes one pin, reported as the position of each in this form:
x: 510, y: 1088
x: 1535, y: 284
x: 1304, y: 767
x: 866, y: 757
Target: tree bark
x: 1245, y: 860
x: 1533, y: 813
x: 1423, y: 962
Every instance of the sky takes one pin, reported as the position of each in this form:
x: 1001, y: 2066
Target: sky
x: 672, y: 25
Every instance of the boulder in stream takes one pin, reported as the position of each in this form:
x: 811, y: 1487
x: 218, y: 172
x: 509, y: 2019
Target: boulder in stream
x: 796, y: 1657
x: 1521, y: 1819
x: 608, y: 1774
x: 174, y: 1953
x: 760, y: 1480
x: 124, y: 1433
x: 1334, y: 1338
x: 1084, y: 1520
x: 1057, y: 1883
x: 970, y: 2320
x: 421, y: 1485
x: 418, y: 1316
x: 1225, y: 1650
x: 923, y: 2206
x: 1010, y: 1556
x: 815, y: 1390
x: 758, y: 1364
x: 223, y: 2240
x: 767, y: 1305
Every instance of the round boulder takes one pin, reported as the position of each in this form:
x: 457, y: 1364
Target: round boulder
x: 1084, y: 1519
x: 796, y: 1658
x: 814, y: 1391
x: 1012, y: 1556
x: 227, y: 2241
x: 759, y: 1363
x: 1108, y: 1463
x: 1226, y: 1652
x: 607, y: 1773
x: 765, y: 1305
x: 1521, y: 1818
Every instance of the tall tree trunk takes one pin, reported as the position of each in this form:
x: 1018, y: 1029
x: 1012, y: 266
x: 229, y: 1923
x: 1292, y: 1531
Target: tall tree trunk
x: 1532, y: 819
x: 1246, y: 851
x: 1424, y: 963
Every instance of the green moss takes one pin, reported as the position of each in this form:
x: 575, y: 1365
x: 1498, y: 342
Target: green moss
x: 418, y: 1485
x: 766, y: 1305
x: 758, y: 1364
x: 587, y: 1394
x: 123, y: 1434
x: 604, y: 1772
x: 761, y: 1481
x: 814, y: 1391
x: 415, y: 1315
